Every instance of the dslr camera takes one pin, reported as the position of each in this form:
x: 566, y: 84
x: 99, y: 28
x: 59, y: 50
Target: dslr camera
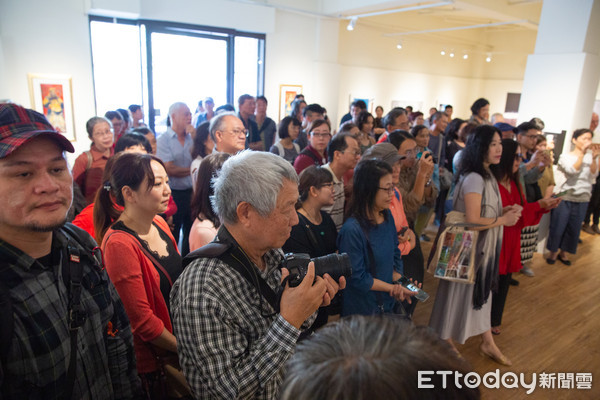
x: 336, y: 265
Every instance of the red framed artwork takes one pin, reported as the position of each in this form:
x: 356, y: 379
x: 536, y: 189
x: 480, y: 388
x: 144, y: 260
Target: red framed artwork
x: 52, y: 96
x: 287, y: 93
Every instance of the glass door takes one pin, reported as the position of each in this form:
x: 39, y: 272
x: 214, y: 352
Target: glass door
x: 187, y: 69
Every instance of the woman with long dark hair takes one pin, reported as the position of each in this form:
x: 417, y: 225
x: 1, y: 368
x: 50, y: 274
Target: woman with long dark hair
x: 140, y: 256
x: 511, y: 192
x: 206, y: 223
x: 462, y: 310
x: 365, y: 137
x: 370, y: 239
x: 455, y: 141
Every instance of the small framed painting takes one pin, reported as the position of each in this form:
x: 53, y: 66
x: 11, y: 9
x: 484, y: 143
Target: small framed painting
x: 287, y: 93
x: 52, y: 95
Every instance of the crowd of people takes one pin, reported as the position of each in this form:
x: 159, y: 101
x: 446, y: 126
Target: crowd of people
x: 187, y: 290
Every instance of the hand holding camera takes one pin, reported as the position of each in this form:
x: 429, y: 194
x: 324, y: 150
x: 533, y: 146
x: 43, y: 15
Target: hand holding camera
x: 300, y: 302
x: 311, y: 283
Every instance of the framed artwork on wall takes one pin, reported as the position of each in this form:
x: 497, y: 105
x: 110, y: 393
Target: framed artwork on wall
x: 287, y: 93
x: 52, y: 95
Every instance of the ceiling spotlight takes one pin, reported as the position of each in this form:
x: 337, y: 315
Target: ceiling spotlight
x: 399, y: 45
x: 352, y: 23
x: 451, y: 55
x: 488, y: 59
x: 443, y: 52
x: 465, y: 56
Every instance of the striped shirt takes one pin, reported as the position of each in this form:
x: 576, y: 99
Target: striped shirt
x: 336, y: 210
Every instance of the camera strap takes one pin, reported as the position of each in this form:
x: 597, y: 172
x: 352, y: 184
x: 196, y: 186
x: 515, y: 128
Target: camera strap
x: 226, y: 249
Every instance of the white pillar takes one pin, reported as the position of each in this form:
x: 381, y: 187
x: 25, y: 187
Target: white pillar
x: 561, y: 77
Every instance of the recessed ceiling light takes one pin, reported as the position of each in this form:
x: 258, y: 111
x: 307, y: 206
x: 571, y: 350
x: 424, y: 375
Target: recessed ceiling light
x: 451, y: 55
x: 465, y: 56
x: 443, y: 52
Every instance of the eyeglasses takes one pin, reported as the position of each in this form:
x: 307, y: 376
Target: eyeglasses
x: 321, y: 135
x: 239, y: 132
x: 355, y: 153
x: 104, y: 133
x: 390, y: 189
x: 531, y: 136
x: 330, y: 184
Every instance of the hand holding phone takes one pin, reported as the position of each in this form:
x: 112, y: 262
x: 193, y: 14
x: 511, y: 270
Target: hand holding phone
x: 407, y: 283
x: 563, y: 193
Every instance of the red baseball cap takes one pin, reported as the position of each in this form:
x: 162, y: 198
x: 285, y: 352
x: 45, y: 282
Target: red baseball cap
x: 18, y: 125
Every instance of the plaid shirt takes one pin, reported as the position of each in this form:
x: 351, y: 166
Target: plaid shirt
x: 227, y: 349
x: 39, y: 353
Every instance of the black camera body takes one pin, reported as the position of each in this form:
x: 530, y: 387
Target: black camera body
x: 336, y: 265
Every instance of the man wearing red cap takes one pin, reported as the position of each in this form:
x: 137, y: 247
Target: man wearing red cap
x: 64, y: 333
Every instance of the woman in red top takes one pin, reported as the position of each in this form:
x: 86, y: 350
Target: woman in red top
x: 140, y: 256
x: 89, y: 166
x: 511, y: 191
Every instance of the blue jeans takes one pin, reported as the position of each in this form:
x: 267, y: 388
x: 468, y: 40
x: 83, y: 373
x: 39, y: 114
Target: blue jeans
x: 565, y: 226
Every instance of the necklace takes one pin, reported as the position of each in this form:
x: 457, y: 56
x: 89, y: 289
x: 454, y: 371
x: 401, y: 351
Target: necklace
x: 315, y: 219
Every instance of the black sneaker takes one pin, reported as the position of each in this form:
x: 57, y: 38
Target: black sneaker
x: 514, y: 282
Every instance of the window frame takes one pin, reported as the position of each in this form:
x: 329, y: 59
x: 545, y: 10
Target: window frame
x: 192, y: 30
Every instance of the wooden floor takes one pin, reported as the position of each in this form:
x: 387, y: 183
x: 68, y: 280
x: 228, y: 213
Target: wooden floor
x: 551, y: 324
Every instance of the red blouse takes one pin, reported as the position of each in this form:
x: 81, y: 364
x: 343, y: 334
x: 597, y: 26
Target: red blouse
x: 510, y: 255
x: 138, y: 283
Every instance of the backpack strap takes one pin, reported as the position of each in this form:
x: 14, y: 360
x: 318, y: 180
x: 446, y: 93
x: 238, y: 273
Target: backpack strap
x: 306, y: 151
x: 148, y: 255
x: 226, y: 249
x: 90, y: 159
x: 311, y: 235
x: 7, y: 322
x: 73, y: 276
x: 280, y: 148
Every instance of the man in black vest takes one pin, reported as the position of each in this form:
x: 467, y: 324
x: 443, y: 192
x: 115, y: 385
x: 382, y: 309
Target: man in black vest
x: 233, y: 337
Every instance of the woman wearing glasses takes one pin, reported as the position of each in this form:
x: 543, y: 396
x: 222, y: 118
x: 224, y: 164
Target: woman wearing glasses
x: 512, y: 193
x: 369, y: 237
x: 319, y: 134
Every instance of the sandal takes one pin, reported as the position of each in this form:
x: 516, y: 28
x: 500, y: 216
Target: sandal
x: 496, y: 331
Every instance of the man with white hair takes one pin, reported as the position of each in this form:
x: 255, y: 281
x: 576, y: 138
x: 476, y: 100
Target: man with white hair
x: 234, y: 334
x: 174, y: 149
x: 228, y: 133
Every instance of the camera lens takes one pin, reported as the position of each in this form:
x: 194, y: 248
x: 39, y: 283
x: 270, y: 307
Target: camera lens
x: 336, y: 265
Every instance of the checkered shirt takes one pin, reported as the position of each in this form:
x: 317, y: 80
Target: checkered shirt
x: 39, y: 353
x: 227, y: 349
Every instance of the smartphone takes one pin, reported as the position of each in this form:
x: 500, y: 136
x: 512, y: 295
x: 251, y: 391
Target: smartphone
x: 403, y: 230
x: 420, y: 154
x: 568, y: 191
x: 421, y: 294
